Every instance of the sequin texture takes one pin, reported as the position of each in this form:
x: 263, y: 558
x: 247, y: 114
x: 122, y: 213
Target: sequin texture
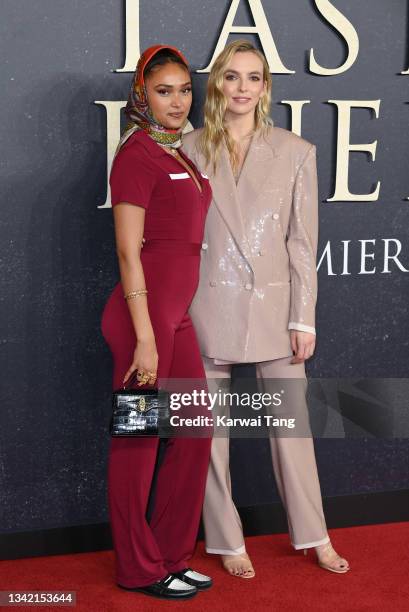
x: 258, y: 271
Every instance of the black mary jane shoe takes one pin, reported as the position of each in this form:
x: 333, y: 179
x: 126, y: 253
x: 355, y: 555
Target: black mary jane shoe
x: 170, y: 587
x: 190, y: 576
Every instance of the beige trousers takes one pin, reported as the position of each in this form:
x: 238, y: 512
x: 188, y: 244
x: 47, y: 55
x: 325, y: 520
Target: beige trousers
x: 293, y: 461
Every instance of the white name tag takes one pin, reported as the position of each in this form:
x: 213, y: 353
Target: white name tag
x: 181, y: 175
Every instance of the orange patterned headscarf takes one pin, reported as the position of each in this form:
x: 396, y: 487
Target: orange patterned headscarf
x: 137, y: 108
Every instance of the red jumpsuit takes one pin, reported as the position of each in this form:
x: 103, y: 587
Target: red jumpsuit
x: 145, y: 175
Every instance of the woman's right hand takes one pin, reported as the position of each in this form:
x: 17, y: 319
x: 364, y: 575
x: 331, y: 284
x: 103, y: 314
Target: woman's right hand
x: 145, y: 359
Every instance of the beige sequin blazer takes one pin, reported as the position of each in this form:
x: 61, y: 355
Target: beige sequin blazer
x: 258, y: 274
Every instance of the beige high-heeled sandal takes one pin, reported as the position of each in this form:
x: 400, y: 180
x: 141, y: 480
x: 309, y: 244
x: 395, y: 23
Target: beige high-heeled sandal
x: 228, y: 565
x: 337, y: 569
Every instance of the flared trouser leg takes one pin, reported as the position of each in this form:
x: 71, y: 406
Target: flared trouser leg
x: 221, y: 521
x: 293, y: 455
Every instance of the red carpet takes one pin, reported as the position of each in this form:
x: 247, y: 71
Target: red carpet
x: 285, y: 579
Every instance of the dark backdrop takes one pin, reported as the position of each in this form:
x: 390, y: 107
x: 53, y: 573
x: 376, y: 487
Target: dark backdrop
x: 58, y: 256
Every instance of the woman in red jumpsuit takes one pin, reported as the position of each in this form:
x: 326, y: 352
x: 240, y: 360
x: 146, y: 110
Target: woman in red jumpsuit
x: 160, y: 199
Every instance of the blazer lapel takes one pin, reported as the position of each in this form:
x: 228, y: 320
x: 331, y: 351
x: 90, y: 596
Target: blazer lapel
x: 225, y: 198
x: 256, y: 170
x: 231, y: 199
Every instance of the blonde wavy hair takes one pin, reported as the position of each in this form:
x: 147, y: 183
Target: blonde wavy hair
x: 215, y: 132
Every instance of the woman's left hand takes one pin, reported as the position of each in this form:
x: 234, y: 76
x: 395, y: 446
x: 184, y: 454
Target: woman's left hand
x: 302, y: 344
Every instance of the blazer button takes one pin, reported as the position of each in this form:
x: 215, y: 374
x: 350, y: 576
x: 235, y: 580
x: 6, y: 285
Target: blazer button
x: 204, y: 246
x: 276, y: 216
x: 248, y: 286
x: 213, y: 283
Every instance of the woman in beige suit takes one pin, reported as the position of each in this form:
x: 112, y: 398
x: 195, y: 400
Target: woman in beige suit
x: 258, y: 284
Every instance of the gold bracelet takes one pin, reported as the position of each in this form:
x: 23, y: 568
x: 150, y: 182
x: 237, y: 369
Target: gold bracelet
x: 134, y: 294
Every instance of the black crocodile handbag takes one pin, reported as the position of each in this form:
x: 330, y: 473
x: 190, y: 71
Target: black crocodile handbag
x: 139, y: 412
